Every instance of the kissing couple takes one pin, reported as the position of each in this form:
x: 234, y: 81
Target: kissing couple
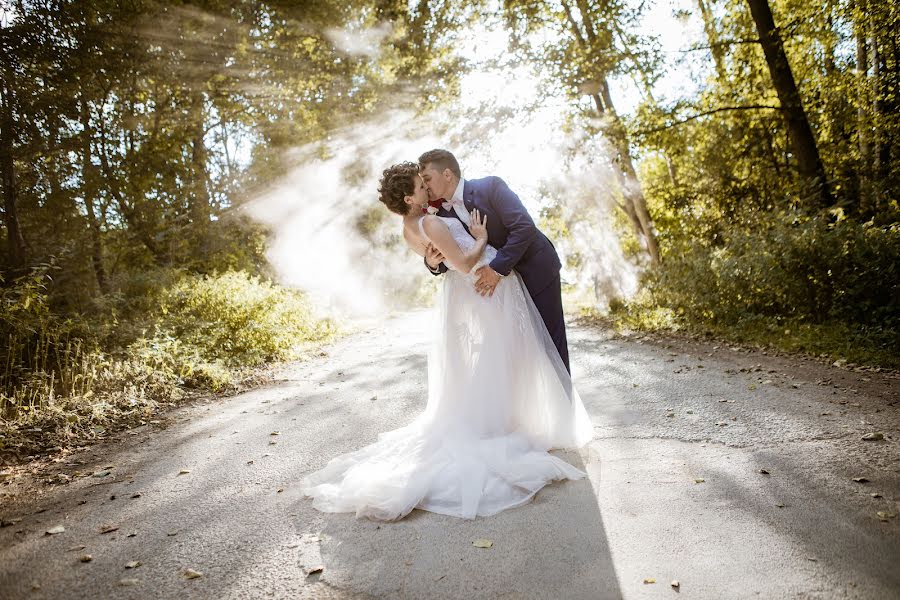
x: 499, y: 393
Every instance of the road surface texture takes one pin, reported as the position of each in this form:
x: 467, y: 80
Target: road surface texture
x: 730, y: 471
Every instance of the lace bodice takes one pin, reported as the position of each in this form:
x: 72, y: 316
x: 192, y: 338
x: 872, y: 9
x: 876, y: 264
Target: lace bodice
x: 464, y: 240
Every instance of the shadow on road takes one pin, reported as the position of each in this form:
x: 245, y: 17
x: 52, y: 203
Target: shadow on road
x: 554, y: 545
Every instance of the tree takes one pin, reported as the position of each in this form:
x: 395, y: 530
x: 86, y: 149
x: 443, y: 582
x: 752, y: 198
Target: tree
x: 809, y: 164
x: 8, y: 133
x: 590, y: 46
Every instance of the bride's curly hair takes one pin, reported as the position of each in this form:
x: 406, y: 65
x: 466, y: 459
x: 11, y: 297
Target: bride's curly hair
x: 397, y: 182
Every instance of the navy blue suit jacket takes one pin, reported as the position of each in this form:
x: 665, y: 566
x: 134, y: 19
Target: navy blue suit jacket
x: 520, y: 244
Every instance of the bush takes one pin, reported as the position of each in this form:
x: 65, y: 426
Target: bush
x: 239, y: 319
x: 791, y: 267
x: 802, y: 283
x: 59, y: 383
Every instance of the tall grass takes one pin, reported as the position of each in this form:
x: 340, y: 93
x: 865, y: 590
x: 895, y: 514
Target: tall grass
x: 204, y: 333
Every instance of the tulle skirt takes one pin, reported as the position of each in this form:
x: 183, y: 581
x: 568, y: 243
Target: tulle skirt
x: 499, y: 397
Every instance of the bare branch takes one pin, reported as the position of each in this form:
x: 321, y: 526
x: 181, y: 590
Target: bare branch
x: 705, y: 114
x: 718, y: 45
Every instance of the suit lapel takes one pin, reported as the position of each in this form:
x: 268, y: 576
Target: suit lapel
x: 468, y: 196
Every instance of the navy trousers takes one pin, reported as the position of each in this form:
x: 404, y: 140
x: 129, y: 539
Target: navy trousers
x: 549, y: 303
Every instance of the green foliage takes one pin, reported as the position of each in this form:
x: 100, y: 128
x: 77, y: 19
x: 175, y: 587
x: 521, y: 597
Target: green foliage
x: 789, y: 266
x: 799, y: 282
x: 238, y: 319
x: 209, y: 330
x: 42, y: 354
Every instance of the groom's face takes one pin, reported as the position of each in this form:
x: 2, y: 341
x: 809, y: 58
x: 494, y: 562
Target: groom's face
x: 439, y: 184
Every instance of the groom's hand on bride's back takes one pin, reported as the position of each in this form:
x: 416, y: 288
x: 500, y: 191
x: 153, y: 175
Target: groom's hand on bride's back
x: 487, y: 281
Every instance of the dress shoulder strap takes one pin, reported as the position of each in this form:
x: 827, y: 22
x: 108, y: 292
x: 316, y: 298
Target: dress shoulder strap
x: 422, y: 227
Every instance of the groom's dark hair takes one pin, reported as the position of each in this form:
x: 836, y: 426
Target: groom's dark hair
x: 441, y: 159
x: 397, y: 182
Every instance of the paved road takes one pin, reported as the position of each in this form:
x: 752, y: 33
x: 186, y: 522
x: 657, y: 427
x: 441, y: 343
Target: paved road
x: 675, y: 490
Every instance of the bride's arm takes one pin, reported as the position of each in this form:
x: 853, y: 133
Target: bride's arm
x: 439, y: 234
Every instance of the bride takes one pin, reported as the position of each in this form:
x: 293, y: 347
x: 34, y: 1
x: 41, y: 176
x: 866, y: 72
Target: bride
x: 499, y: 396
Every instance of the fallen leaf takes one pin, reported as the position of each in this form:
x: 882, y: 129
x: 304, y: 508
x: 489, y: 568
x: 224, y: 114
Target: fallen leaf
x: 55, y: 530
x: 86, y: 558
x: 171, y: 533
x: 860, y: 480
x: 649, y: 580
x: 780, y: 505
x: 275, y: 433
x: 184, y: 471
x: 192, y: 574
x: 134, y: 564
x: 873, y: 437
x: 699, y: 480
x: 812, y: 559
x: 763, y: 472
x: 482, y: 543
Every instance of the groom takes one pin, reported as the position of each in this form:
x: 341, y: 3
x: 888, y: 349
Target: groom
x: 511, y: 231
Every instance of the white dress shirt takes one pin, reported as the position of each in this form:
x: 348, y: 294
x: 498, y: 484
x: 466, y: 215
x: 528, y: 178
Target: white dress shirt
x: 461, y: 207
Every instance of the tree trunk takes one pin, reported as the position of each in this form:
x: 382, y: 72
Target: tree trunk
x: 15, y: 239
x: 89, y: 187
x: 712, y: 36
x: 635, y: 205
x: 200, y: 201
x: 632, y: 190
x: 809, y: 164
x: 828, y: 45
x: 882, y: 153
x: 864, y: 169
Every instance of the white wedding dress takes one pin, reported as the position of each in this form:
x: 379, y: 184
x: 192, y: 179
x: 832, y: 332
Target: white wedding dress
x: 499, y: 397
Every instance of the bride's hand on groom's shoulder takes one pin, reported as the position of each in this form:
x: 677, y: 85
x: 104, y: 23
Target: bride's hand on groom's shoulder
x: 479, y: 225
